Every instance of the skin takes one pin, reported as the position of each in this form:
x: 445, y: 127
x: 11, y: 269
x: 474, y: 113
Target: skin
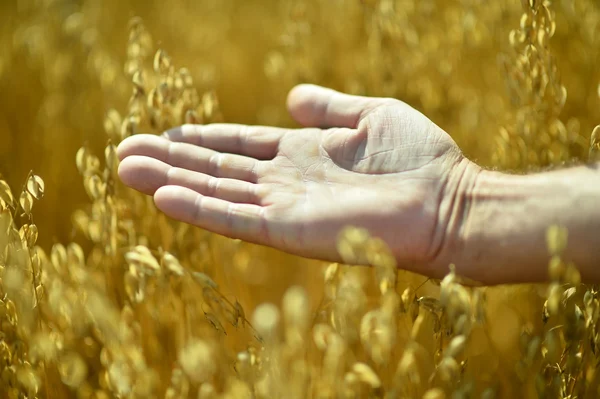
x: 368, y: 162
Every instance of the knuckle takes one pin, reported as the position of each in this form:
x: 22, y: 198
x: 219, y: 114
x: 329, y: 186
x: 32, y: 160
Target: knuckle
x: 213, y: 186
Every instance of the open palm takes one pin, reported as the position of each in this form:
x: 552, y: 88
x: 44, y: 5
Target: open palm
x: 368, y: 162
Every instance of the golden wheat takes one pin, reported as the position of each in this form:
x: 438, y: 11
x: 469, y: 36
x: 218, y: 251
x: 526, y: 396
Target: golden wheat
x: 125, y: 309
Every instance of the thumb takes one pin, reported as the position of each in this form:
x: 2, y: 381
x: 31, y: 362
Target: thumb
x: 316, y: 106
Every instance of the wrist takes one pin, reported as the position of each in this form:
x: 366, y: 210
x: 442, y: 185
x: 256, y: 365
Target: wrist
x: 495, y: 234
x: 492, y: 230
x: 454, y: 214
x: 501, y: 236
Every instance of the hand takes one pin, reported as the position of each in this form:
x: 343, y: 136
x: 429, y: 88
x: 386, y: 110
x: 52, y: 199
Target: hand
x: 368, y: 162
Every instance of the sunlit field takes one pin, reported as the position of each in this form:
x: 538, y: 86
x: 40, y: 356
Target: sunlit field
x: 102, y: 296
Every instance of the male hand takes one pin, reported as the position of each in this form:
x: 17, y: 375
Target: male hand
x: 367, y: 162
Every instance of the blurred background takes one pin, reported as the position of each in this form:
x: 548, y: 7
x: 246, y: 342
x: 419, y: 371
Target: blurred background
x: 517, y: 89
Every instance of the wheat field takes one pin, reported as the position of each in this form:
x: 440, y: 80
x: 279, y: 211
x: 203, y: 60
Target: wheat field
x: 97, y: 302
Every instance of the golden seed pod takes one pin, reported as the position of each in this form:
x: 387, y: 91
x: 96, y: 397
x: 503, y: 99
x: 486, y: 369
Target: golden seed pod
x: 462, y: 324
x: 143, y: 261
x: 26, y: 202
x: 6, y: 193
x: 129, y: 127
x: 186, y: 78
x: 31, y: 235
x: 408, y: 298
x: 154, y: 101
x: 368, y: 326
x: 542, y: 38
x: 550, y: 20
x: 408, y: 367
x: 366, y: 375
x: 135, y: 286
x: 561, y: 97
x: 162, y: 62
x: 526, y: 21
x: 35, y: 186
x: 448, y: 370
x: 380, y: 256
x: 192, y: 117
x: 94, y: 187
x: 92, y: 165
x: 58, y: 256
x: 321, y: 335
x: 331, y: 272
x: 110, y: 157
x: 39, y: 294
x: 27, y: 377
x: 172, y: 265
x: 351, y: 245
x: 512, y: 38
x: 210, y: 105
x: 138, y: 81
x: 456, y: 347
x: 422, y: 328
x: 81, y: 160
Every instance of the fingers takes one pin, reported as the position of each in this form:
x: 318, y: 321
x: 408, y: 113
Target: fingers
x: 243, y: 221
x: 190, y: 157
x: 148, y: 175
x: 258, y: 142
x: 315, y: 106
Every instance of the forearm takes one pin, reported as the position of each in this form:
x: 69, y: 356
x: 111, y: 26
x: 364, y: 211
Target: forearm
x: 502, y: 237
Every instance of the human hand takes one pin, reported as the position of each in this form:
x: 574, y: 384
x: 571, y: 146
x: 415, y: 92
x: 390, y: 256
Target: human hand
x: 367, y: 162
